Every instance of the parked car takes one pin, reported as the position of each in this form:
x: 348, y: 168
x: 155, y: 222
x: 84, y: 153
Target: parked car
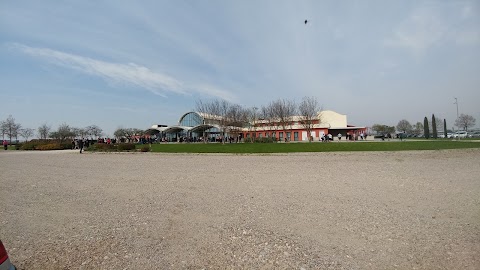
x: 5, y: 263
x: 475, y: 134
x: 460, y: 134
x: 450, y: 135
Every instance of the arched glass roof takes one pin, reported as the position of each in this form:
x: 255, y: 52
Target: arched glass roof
x: 191, y: 119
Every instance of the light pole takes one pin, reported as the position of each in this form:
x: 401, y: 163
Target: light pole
x: 456, y: 102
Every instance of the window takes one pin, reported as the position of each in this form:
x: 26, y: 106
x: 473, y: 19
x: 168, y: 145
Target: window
x: 295, y: 136
x: 280, y: 136
x: 191, y: 119
x: 289, y: 136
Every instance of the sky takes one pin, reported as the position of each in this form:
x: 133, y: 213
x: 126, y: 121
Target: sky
x: 133, y: 64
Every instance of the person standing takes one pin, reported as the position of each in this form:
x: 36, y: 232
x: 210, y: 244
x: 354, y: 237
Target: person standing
x: 339, y: 136
x: 80, y: 145
x: 5, y: 144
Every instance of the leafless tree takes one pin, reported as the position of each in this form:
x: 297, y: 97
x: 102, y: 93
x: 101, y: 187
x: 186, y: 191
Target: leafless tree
x: 308, y: 110
x: 404, y: 126
x: 10, y: 128
x: 43, y: 131
x: 217, y: 110
x: 283, y: 110
x: 128, y: 133
x: 465, y: 121
x: 94, y: 131
x: 64, y: 131
x: 252, y: 115
x: 418, y: 128
x: 268, y: 118
x: 27, y: 133
x: 3, y: 129
x: 237, y: 117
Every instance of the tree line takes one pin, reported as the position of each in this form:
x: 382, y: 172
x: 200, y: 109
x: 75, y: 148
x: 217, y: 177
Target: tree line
x: 13, y: 130
x: 429, y: 128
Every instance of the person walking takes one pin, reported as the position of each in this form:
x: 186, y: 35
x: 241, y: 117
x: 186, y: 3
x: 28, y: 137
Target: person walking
x: 339, y: 136
x: 80, y: 145
x: 5, y: 144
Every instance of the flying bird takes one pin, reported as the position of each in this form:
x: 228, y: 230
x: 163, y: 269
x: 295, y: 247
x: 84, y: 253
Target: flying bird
x: 306, y: 21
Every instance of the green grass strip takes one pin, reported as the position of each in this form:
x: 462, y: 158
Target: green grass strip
x: 241, y: 148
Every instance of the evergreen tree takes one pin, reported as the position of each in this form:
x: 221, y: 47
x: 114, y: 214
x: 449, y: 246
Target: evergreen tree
x: 445, y: 128
x: 426, y: 130
x: 434, y: 127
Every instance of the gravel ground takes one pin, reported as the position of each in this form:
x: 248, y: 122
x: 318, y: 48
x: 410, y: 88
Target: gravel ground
x: 365, y: 210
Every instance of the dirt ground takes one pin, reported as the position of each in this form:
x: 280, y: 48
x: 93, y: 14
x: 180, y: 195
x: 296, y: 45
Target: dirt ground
x: 365, y: 210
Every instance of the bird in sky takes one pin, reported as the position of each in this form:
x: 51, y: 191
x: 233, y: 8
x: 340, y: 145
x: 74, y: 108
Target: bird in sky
x: 306, y: 21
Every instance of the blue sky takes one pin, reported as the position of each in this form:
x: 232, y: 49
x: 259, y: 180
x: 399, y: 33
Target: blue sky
x: 138, y: 63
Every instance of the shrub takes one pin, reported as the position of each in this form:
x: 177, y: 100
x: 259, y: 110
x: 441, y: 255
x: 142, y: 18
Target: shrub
x: 44, y: 145
x: 126, y: 147
x: 50, y: 146
x: 145, y: 148
x: 28, y: 146
x: 102, y: 147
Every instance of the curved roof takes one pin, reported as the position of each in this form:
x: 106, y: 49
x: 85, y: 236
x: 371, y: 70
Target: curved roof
x: 185, y: 114
x: 203, y: 127
x: 176, y: 128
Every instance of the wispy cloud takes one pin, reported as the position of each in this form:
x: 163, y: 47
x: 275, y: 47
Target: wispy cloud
x: 131, y: 74
x: 215, y: 92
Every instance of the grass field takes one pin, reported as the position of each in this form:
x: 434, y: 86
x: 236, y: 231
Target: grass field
x: 311, y: 147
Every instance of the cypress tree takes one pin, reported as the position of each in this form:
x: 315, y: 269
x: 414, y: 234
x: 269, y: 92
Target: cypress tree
x: 426, y: 130
x: 445, y: 128
x: 434, y: 127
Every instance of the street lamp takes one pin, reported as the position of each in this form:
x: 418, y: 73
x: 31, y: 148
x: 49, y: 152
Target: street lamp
x: 456, y: 102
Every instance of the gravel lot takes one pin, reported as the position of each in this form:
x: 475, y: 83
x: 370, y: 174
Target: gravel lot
x: 365, y: 210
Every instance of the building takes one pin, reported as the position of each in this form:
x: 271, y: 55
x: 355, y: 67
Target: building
x: 196, y: 126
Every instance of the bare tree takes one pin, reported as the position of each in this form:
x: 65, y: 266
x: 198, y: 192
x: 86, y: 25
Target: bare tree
x: 418, y: 128
x: 465, y: 121
x: 82, y: 132
x: 383, y: 129
x: 269, y: 120
x: 404, y: 126
x: 43, y: 131
x: 252, y: 120
x: 438, y: 123
x: 283, y: 110
x: 3, y: 129
x: 308, y: 110
x: 94, y: 131
x: 217, y: 112
x: 64, y: 131
x: 11, y: 128
x: 119, y: 133
x: 237, y: 117
x: 27, y: 133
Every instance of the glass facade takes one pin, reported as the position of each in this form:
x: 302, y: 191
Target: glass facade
x: 191, y: 119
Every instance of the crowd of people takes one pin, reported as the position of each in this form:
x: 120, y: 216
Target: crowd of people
x: 349, y: 137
